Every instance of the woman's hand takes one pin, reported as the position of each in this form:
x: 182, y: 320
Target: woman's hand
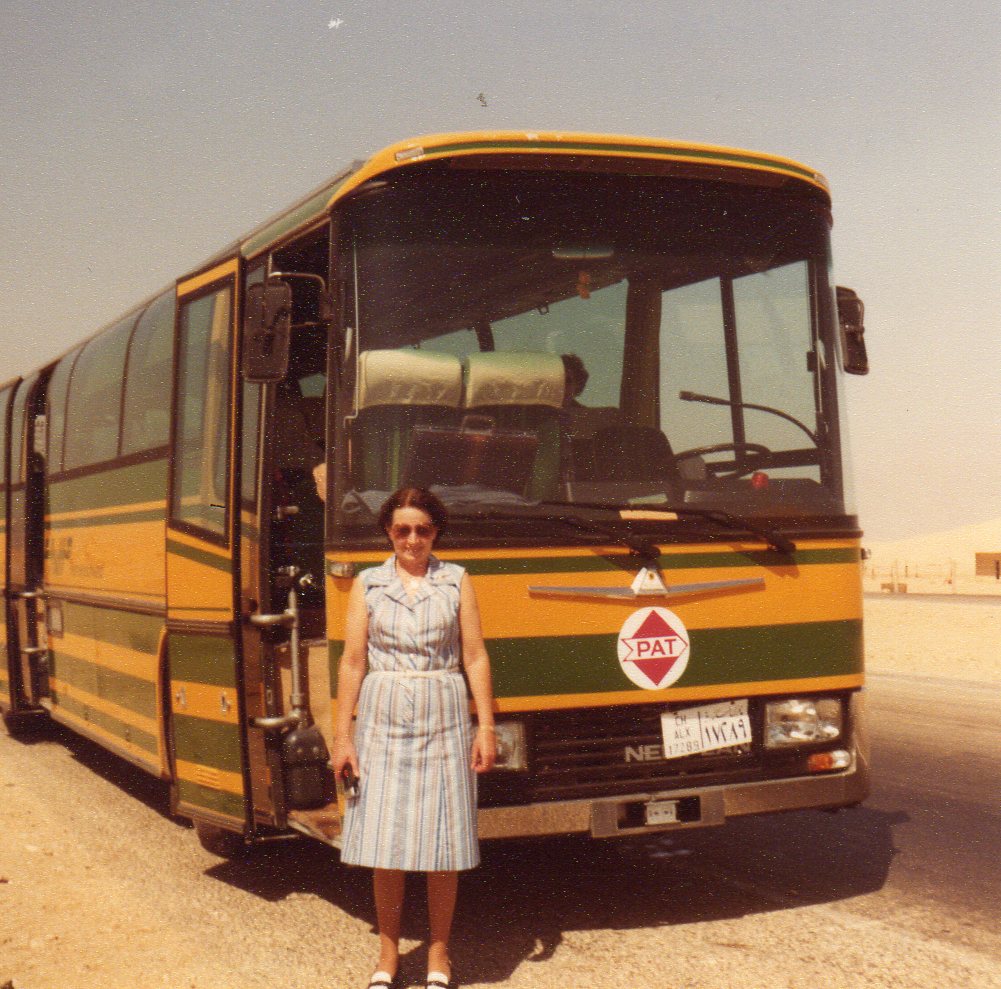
x: 484, y: 748
x: 344, y: 754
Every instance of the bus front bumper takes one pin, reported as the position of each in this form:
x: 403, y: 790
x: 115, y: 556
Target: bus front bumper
x: 632, y: 814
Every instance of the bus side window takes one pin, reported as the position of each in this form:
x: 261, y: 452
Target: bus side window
x: 94, y: 404
x: 146, y: 424
x: 57, y: 396
x: 199, y: 463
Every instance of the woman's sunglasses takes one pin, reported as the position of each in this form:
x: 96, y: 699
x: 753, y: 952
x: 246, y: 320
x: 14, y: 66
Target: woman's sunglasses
x: 422, y: 531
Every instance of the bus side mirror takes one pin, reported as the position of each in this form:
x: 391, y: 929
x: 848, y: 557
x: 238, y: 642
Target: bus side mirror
x: 267, y: 326
x: 850, y: 319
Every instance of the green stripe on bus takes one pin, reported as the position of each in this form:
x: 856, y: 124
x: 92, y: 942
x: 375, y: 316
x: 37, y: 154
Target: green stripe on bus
x: 114, y: 488
x: 313, y: 207
x: 220, y: 801
x: 127, y: 629
x: 705, y: 154
x: 114, y: 726
x: 120, y: 688
x: 199, y: 556
x: 624, y: 562
x: 202, y: 659
x: 207, y: 743
x: 555, y: 665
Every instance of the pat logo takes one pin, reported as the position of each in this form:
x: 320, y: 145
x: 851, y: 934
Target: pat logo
x: 653, y: 648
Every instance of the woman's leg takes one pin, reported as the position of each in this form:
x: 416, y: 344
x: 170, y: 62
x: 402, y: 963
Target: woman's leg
x: 388, y: 885
x: 442, y: 890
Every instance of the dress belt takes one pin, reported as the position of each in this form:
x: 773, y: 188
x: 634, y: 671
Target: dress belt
x: 424, y: 674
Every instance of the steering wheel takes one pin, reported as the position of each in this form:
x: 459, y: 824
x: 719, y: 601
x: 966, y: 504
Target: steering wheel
x: 762, y: 453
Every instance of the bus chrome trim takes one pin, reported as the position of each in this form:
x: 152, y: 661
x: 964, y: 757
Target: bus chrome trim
x: 629, y: 594
x: 600, y: 817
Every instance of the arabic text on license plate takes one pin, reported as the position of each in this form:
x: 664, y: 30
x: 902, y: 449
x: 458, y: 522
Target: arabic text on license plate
x: 705, y: 728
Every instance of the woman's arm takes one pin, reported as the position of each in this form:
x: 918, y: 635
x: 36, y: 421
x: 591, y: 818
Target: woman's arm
x: 477, y: 664
x: 350, y: 673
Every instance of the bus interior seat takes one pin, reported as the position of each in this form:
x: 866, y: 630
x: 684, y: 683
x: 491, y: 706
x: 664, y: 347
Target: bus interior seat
x: 398, y: 390
x: 522, y: 391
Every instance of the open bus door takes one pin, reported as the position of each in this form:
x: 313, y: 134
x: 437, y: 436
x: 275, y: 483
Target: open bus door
x: 285, y: 653
x: 232, y: 613
x: 208, y: 738
x: 28, y: 668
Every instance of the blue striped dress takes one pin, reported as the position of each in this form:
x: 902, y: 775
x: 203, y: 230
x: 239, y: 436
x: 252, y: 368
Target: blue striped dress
x: 416, y: 803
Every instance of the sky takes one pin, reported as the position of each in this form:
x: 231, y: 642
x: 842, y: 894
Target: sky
x: 137, y: 139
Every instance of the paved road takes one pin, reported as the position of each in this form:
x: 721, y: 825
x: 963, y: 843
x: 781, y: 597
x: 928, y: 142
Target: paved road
x: 100, y: 887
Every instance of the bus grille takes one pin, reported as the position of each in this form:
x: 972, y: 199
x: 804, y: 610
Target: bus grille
x: 597, y: 752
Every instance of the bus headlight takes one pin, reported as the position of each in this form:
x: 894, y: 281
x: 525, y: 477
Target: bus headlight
x: 512, y: 752
x: 802, y: 721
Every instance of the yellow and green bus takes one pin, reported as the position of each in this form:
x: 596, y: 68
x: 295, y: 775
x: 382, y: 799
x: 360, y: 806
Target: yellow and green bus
x: 617, y: 360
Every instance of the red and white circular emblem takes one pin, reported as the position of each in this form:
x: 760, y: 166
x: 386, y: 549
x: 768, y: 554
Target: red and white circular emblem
x: 653, y: 648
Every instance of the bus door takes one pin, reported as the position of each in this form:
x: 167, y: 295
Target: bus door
x: 208, y: 738
x: 7, y: 694
x: 286, y: 662
x: 25, y: 544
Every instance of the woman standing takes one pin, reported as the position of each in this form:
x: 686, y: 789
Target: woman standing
x: 414, y: 623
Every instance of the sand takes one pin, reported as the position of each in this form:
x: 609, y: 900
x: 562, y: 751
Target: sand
x: 934, y: 636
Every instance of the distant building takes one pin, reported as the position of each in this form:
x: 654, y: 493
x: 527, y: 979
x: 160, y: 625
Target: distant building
x: 989, y: 565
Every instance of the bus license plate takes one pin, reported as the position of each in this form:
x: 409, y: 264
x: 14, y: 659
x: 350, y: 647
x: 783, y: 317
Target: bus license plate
x: 662, y: 812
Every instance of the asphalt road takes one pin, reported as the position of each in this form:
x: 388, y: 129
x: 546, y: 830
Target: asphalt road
x: 100, y: 887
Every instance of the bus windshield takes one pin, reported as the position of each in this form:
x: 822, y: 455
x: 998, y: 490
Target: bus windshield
x: 591, y: 339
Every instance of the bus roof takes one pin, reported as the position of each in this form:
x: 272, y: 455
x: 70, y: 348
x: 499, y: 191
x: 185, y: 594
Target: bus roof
x: 307, y: 210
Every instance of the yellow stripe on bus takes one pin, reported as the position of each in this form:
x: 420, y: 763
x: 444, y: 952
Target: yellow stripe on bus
x: 109, y: 740
x: 125, y: 508
x: 207, y: 277
x: 822, y: 593
x: 209, y: 776
x: 121, y: 659
x: 102, y: 704
x: 203, y: 700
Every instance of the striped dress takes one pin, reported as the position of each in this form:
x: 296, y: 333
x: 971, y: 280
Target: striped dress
x: 416, y: 803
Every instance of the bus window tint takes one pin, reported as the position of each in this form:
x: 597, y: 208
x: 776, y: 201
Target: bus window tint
x: 146, y: 424
x: 593, y: 328
x: 95, y: 395
x: 199, y: 482
x: 772, y: 315
x: 693, y: 358
x: 57, y: 393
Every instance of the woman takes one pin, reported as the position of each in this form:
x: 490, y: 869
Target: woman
x: 412, y: 621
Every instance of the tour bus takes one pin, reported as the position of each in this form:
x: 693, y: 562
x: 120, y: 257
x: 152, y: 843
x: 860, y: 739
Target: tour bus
x: 618, y: 361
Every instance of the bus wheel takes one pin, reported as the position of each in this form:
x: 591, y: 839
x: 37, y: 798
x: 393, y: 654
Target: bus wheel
x: 219, y: 841
x: 20, y: 724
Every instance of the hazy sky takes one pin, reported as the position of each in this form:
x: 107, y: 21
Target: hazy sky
x: 139, y: 138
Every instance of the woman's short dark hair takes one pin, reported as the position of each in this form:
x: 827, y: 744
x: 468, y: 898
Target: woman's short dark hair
x: 414, y: 498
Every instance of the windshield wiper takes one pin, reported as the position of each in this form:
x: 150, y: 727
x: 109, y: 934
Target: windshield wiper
x: 639, y: 545
x: 736, y: 522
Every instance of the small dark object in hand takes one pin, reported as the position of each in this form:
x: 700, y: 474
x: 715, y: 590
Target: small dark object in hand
x: 350, y: 784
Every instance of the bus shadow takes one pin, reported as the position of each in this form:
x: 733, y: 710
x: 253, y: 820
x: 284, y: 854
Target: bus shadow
x: 130, y: 779
x: 526, y: 895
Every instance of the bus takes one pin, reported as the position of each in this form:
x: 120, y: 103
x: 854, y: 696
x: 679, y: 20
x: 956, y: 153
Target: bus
x: 618, y: 361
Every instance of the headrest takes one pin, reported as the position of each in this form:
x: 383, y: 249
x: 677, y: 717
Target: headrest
x: 516, y: 378
x: 408, y: 377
